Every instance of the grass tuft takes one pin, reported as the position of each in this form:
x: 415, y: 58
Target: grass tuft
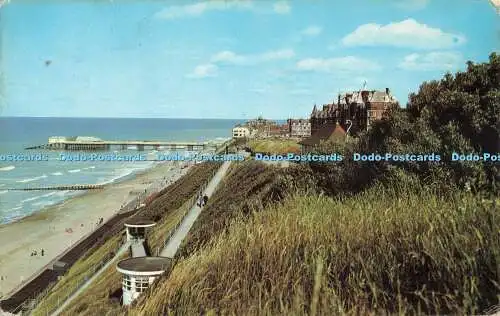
x: 375, y: 253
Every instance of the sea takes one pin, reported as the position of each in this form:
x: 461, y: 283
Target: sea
x: 18, y: 133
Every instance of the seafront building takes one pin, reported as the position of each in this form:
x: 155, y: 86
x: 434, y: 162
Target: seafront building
x: 137, y: 229
x: 278, y: 130
x: 300, y: 128
x: 333, y: 133
x: 361, y: 108
x: 139, y: 273
x: 241, y: 132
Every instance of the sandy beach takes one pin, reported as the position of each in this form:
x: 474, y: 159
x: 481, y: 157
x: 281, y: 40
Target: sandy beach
x: 48, y: 229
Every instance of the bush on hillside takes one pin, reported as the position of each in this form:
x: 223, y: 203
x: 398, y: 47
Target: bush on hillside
x: 459, y: 113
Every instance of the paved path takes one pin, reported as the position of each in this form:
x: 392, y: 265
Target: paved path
x: 172, y: 245
x: 96, y: 275
x: 138, y: 250
x: 175, y: 241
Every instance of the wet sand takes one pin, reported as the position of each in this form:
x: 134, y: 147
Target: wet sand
x: 47, y: 229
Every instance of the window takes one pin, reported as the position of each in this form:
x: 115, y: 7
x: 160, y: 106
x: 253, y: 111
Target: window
x: 127, y: 284
x: 141, y: 283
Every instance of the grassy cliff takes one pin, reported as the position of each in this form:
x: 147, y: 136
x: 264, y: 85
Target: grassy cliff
x: 378, y: 252
x: 105, y: 292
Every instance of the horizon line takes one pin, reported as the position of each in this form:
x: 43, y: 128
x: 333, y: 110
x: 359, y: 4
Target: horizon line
x: 126, y: 117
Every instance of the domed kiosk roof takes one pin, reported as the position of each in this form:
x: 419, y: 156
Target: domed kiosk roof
x: 139, y: 222
x: 144, y: 265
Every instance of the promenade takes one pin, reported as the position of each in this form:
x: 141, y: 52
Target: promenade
x: 180, y: 234
x: 173, y: 243
x: 81, y: 213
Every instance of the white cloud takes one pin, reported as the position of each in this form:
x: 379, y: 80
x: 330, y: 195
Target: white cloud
x: 233, y: 58
x: 277, y: 54
x: 312, y: 30
x: 282, y: 7
x: 407, y: 33
x: 413, y: 5
x: 197, y: 9
x: 432, y: 61
x: 349, y: 64
x: 203, y: 71
x: 228, y: 57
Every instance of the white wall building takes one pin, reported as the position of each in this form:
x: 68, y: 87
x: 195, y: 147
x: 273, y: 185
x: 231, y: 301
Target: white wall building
x: 57, y: 139
x: 137, y: 228
x: 241, y: 132
x: 88, y: 139
x: 139, y: 273
x: 299, y: 128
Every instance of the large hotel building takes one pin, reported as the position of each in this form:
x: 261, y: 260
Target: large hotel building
x: 360, y: 107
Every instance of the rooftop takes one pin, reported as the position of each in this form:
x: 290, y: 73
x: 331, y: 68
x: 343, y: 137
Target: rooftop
x: 144, y: 264
x: 139, y: 222
x: 327, y: 132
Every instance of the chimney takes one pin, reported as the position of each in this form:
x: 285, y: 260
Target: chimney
x: 387, y: 91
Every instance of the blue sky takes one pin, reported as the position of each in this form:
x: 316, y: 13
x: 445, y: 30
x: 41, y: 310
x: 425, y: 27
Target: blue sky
x: 227, y: 59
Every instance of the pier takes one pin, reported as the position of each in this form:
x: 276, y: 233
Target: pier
x: 83, y: 143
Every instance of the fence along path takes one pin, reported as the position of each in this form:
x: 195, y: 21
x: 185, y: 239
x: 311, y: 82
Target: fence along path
x: 31, y: 302
x: 81, y: 287
x: 93, y: 275
x: 174, y: 241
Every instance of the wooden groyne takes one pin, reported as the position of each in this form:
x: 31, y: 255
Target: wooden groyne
x: 73, y: 187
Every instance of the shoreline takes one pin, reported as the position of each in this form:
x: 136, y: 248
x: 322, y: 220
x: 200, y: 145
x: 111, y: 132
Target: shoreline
x: 81, y: 193
x: 57, y: 227
x: 61, y: 203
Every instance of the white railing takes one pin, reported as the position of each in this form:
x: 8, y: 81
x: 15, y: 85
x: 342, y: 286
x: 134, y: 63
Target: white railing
x: 31, y: 305
x: 192, y: 201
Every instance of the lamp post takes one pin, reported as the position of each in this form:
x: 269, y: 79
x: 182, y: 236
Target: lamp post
x: 348, y: 128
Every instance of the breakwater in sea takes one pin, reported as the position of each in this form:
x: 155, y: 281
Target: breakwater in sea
x: 51, y: 171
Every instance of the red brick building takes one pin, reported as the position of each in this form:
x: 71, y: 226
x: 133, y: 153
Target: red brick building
x: 360, y: 107
x: 279, y: 130
x: 329, y: 132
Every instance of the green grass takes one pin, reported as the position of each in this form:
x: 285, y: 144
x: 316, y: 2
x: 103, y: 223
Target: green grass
x: 266, y: 245
x: 166, y: 209
x: 274, y: 146
x: 248, y: 186
x: 160, y: 231
x: 97, y: 297
x: 405, y: 250
x: 75, y: 276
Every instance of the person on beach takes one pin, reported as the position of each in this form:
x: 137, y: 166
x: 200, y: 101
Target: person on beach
x: 43, y: 252
x: 205, y: 200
